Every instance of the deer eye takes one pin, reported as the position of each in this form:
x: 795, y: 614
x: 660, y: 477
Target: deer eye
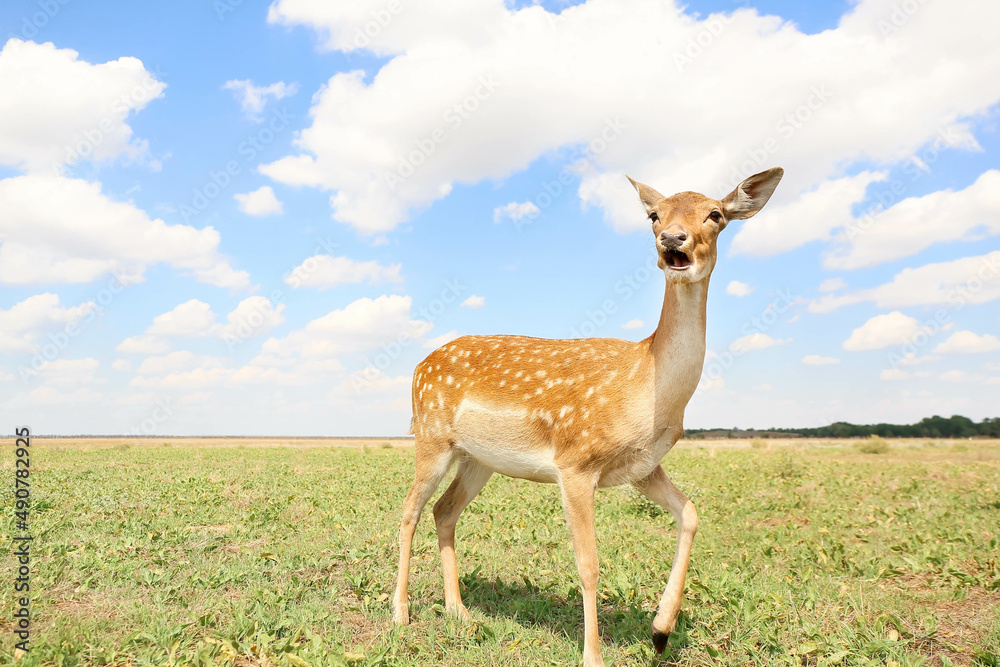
x: 715, y: 215
x: 654, y: 217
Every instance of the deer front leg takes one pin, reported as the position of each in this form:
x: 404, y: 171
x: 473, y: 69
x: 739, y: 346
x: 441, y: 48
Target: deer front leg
x: 658, y: 488
x: 578, y: 503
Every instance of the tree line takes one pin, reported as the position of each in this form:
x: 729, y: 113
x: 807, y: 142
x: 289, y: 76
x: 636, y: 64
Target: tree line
x: 955, y: 426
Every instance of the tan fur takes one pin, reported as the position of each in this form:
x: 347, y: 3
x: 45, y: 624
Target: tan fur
x: 579, y: 413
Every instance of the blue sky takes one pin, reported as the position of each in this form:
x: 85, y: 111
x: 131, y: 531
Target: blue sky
x: 236, y: 179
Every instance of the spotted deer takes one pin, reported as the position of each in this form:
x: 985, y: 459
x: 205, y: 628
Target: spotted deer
x: 582, y: 413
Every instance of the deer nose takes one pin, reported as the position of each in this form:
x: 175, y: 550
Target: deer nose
x: 673, y: 241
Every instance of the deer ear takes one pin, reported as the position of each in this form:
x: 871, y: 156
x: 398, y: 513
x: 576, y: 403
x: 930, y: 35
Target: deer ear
x: 647, y: 195
x: 751, y: 195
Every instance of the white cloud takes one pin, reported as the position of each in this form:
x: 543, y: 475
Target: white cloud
x: 893, y: 374
x: 43, y: 245
x: 56, y: 109
x: 817, y: 360
x: 514, y: 211
x: 918, y: 223
x: 325, y: 272
x: 253, y: 98
x: 755, y: 341
x: 23, y: 324
x: 313, y: 367
x: 761, y: 387
x: 259, y: 202
x: 181, y: 360
x: 813, y: 216
x: 194, y: 379
x: 362, y: 325
x: 70, y: 372
x: 183, y: 372
x: 959, y: 376
x: 253, y: 316
x: 967, y: 342
x: 373, y: 381
x: 736, y: 288
x: 191, y: 319
x: 198, y: 398
x: 137, y: 399
x: 474, y: 302
x: 633, y: 324
x: 123, y: 365
x: 438, y: 54
x: 46, y: 395
x: 709, y: 385
x: 881, y: 331
x: 443, y: 339
x: 269, y: 360
x: 961, y: 281
x: 832, y: 285
x: 251, y: 375
x: 911, y: 358
x: 143, y: 345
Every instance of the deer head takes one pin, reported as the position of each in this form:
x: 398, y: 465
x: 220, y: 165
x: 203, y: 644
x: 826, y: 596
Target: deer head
x: 686, y: 226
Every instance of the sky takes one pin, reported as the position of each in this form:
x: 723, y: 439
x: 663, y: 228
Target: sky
x: 232, y: 218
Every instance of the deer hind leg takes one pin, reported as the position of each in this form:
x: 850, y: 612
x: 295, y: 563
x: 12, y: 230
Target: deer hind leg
x: 578, y: 503
x: 469, y: 481
x: 658, y: 488
x: 431, y: 465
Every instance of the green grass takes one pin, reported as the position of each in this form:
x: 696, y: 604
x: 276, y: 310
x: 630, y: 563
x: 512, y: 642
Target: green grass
x: 287, y: 556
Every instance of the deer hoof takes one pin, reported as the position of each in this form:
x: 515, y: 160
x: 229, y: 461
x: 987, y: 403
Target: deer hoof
x: 660, y: 640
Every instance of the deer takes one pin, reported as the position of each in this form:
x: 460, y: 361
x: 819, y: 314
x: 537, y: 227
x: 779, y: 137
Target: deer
x: 581, y: 413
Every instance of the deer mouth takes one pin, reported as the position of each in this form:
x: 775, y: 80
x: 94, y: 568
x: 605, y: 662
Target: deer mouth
x: 676, y: 260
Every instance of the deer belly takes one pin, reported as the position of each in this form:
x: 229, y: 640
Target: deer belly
x: 638, y: 464
x: 501, y: 440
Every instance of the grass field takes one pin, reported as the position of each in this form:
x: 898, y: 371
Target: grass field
x: 264, y: 553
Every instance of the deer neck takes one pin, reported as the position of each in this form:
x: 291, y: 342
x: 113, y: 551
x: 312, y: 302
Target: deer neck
x: 678, y: 347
